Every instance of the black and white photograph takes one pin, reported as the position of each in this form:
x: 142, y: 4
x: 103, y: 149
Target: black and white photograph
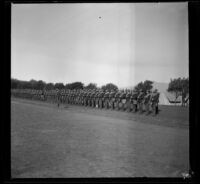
x: 99, y: 90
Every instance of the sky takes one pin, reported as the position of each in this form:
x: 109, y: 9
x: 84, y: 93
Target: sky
x: 121, y: 43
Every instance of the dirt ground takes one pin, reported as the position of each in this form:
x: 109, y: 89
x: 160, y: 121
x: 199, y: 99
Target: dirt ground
x: 75, y: 141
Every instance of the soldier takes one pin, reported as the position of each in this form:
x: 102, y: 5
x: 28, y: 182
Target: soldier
x: 53, y: 96
x: 93, y: 98
x: 140, y: 100
x: 128, y: 101
x: 58, y: 96
x: 96, y: 99
x: 43, y: 94
x: 72, y: 97
x: 123, y: 100
x: 75, y: 96
x: 101, y: 99
x: 147, y: 101
x: 134, y: 100
x: 68, y: 96
x: 85, y: 98
x: 106, y: 99
x: 79, y: 97
x: 155, y: 101
x: 112, y: 99
x: 61, y: 96
x: 117, y: 100
x: 64, y: 95
x: 88, y: 98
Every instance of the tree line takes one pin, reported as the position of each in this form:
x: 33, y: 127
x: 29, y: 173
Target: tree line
x: 177, y: 86
x: 40, y: 85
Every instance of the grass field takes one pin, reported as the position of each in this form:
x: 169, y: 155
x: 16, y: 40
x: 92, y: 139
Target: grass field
x: 75, y: 141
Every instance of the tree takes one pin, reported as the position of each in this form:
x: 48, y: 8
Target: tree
x: 185, y: 90
x: 91, y: 86
x: 14, y: 83
x: 179, y: 87
x: 22, y: 84
x: 59, y: 85
x: 109, y: 87
x: 49, y: 86
x: 148, y: 85
x: 33, y: 84
x: 74, y: 85
x: 40, y: 85
x: 139, y: 86
x: 77, y: 85
x: 145, y: 86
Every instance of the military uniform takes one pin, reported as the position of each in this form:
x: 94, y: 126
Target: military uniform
x: 117, y: 100
x: 134, y: 97
x: 96, y: 99
x: 106, y: 100
x: 101, y: 99
x: 123, y: 100
x: 147, y: 101
x: 58, y: 96
x: 155, y: 101
x: 140, y: 100
x: 128, y: 101
x: 111, y: 99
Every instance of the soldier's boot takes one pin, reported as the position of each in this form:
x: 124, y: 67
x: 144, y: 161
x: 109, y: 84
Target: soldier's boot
x: 125, y: 107
x: 147, y: 109
x: 136, y: 108
x: 129, y: 108
x: 156, y: 110
x: 140, y: 108
x: 107, y: 105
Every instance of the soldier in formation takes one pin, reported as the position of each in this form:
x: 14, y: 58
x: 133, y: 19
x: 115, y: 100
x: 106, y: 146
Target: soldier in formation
x: 119, y: 100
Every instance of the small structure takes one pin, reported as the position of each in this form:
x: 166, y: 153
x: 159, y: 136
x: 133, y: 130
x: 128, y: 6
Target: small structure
x: 163, y: 100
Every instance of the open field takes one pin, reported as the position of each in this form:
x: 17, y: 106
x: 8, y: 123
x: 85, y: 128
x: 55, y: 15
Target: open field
x: 75, y: 141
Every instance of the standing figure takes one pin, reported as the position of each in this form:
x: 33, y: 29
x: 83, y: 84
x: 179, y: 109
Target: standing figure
x: 106, y: 99
x: 128, y: 101
x: 147, y: 101
x: 122, y: 100
x: 155, y: 101
x: 140, y: 100
x: 134, y: 100
x: 58, y: 95
x: 111, y: 99
x: 117, y: 100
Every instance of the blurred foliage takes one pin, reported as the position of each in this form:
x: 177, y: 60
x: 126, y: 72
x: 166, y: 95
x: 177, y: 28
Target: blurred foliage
x: 91, y: 86
x: 179, y: 87
x: 144, y: 86
x: 109, y: 87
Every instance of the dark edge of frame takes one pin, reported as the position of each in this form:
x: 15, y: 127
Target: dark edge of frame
x: 194, y: 49
x: 5, y: 96
x: 194, y: 88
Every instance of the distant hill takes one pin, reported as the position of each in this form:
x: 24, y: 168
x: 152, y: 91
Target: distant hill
x: 160, y: 86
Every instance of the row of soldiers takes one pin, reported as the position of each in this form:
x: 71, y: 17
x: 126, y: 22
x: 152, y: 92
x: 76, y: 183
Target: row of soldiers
x: 142, y: 101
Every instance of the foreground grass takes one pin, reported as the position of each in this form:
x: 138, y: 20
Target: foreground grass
x: 74, y: 141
